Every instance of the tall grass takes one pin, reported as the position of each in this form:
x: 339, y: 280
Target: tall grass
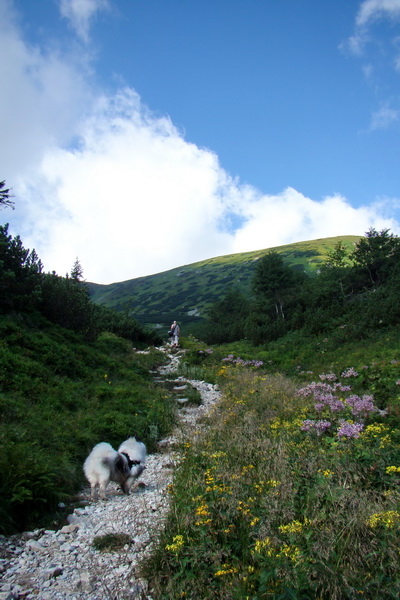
x: 262, y: 508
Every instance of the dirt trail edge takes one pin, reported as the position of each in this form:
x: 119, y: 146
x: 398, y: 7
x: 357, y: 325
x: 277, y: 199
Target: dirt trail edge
x: 64, y: 565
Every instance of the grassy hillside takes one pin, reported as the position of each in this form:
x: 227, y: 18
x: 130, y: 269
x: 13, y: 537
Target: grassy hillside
x: 185, y: 293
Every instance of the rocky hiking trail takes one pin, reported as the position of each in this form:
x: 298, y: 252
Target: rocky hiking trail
x: 64, y: 565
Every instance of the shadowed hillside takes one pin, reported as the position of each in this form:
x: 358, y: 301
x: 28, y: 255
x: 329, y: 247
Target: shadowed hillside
x: 185, y: 293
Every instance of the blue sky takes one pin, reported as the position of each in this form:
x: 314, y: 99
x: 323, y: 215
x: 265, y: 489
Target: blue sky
x: 142, y: 135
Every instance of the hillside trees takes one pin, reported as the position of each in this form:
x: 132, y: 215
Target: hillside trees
x: 356, y: 290
x: 20, y: 274
x: 271, y: 283
x: 338, y: 257
x: 64, y: 301
x: 329, y: 292
x: 227, y: 318
x: 277, y: 298
x: 363, y: 289
x: 77, y: 271
x: 377, y: 254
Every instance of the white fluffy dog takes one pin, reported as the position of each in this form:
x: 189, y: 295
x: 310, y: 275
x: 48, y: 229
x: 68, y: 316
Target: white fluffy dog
x: 104, y: 464
x: 135, y: 452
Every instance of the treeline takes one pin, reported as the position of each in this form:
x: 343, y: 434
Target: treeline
x: 65, y: 301
x: 355, y: 291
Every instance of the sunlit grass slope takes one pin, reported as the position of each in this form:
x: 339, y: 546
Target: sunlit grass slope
x: 186, y: 292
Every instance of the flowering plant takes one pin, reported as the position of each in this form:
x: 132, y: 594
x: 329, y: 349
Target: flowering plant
x: 330, y: 399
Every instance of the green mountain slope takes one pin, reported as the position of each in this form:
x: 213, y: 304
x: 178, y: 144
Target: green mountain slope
x: 185, y: 293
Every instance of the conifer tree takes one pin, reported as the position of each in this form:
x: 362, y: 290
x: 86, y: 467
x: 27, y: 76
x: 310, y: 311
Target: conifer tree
x: 77, y: 271
x: 5, y: 196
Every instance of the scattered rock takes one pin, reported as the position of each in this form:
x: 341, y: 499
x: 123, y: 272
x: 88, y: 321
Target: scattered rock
x: 64, y: 564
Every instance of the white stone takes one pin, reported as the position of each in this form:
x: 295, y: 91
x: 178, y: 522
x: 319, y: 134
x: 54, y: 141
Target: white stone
x: 64, y: 565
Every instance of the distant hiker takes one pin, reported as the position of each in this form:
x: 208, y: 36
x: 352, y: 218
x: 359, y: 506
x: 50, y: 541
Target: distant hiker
x: 174, y: 333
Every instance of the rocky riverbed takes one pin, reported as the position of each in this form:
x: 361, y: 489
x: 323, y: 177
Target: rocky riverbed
x: 64, y: 565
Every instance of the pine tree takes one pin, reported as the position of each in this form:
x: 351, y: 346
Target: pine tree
x: 5, y: 196
x: 77, y: 271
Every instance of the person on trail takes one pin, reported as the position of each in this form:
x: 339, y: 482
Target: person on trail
x: 175, y: 329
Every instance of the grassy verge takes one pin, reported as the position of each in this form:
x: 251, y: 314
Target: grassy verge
x: 59, y: 396
x: 273, y: 503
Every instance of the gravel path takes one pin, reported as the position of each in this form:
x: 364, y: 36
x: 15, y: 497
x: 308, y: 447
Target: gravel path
x: 63, y: 564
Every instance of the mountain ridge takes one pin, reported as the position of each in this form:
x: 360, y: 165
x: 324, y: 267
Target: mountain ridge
x: 185, y: 293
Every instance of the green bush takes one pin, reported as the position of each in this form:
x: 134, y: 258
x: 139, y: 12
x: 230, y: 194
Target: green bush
x: 59, y: 396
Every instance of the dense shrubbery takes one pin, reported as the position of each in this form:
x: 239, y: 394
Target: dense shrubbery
x: 357, y: 290
x: 59, y: 396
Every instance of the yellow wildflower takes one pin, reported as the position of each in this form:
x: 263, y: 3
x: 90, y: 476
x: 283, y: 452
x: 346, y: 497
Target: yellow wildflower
x: 294, y: 526
x: 273, y: 483
x: 326, y: 473
x: 202, y: 510
x: 388, y: 519
x: 260, y: 545
x: 218, y: 454
x: 177, y: 543
x: 393, y: 469
x: 226, y: 570
x: 290, y: 552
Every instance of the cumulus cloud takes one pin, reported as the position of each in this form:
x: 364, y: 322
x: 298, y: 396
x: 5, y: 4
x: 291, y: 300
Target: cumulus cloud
x: 133, y: 198
x: 41, y: 100
x: 80, y: 14
x: 274, y: 220
x: 101, y: 178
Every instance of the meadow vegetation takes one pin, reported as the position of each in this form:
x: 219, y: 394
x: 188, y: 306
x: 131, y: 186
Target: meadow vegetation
x: 293, y: 492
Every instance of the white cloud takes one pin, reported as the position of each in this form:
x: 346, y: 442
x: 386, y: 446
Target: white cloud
x: 130, y: 196
x: 369, y: 12
x: 384, y: 118
x: 291, y: 217
x: 80, y: 14
x: 41, y: 99
x: 134, y: 198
